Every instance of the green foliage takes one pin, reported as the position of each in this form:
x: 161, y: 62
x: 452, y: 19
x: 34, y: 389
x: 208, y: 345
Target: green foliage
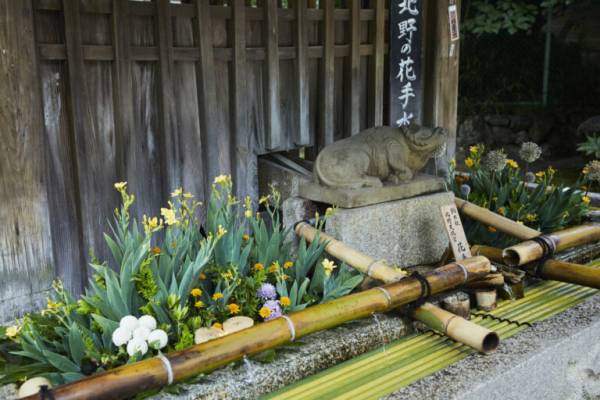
x: 167, y: 269
x: 547, y: 207
x: 591, y: 146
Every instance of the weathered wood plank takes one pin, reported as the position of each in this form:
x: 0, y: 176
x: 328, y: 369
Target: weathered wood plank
x: 273, y: 132
x: 326, y: 128
x: 91, y: 109
x: 169, y: 135
x: 376, y: 94
x: 301, y: 63
x: 245, y: 174
x: 353, y: 80
x: 26, y: 264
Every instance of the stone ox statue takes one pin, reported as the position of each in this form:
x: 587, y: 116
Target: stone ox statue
x: 377, y: 155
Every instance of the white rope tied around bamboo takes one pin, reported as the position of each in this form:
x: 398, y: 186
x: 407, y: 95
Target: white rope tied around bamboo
x: 370, y: 267
x: 167, y: 364
x: 464, y: 270
x: 291, y: 327
x: 387, y: 295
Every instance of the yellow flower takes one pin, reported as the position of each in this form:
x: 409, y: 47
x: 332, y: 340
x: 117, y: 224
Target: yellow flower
x: 217, y: 325
x: 328, y: 266
x: 586, y: 200
x: 202, y: 276
x: 12, y: 331
x: 245, y: 236
x: 288, y: 264
x: 121, y: 186
x: 151, y: 224
x: 274, y: 267
x: 248, y: 213
x: 199, y: 304
x: 170, y: 216
x: 221, y: 231
x: 285, y: 301
x: 196, y: 292
x: 156, y: 250
x: 264, y: 312
x: 512, y: 164
x: 329, y: 212
x: 469, y: 162
x: 473, y: 149
x: 531, y: 217
x: 502, y: 211
x: 188, y: 195
x: 227, y: 275
x: 491, y: 229
x: 540, y: 174
x: 551, y: 171
x: 585, y: 170
x: 453, y: 163
x: 233, y: 308
x: 519, y: 222
x: 217, y: 296
x: 177, y: 192
x: 258, y: 267
x: 285, y: 277
x: 222, y: 179
x: 263, y: 200
x: 52, y: 305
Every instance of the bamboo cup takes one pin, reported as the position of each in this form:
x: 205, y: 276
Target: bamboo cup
x: 551, y: 269
x: 479, y: 338
x: 531, y: 250
x: 152, y: 373
x: 499, y: 222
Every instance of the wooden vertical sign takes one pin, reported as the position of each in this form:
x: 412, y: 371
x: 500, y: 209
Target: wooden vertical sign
x: 456, y: 233
x: 406, y: 84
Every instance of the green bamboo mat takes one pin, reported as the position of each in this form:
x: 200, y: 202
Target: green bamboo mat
x: 404, y: 361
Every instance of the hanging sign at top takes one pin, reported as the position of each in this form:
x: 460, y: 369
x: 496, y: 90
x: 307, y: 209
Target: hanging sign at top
x: 405, y: 61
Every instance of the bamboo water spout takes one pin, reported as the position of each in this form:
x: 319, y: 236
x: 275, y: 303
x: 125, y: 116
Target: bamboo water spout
x: 452, y: 325
x: 499, y: 222
x: 551, y: 269
x: 131, y: 379
x: 546, y: 245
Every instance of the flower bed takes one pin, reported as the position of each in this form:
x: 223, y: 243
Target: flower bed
x: 175, y: 281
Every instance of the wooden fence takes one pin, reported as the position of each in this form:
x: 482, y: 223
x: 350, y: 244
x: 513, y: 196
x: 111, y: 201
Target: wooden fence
x: 163, y: 95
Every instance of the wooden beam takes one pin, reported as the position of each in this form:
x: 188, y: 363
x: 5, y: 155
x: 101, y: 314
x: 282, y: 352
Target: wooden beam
x: 303, y: 137
x: 353, y: 108
x: 271, y: 82
x: 327, y: 96
x: 376, y: 87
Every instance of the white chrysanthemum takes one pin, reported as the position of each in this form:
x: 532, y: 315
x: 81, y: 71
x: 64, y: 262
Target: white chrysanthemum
x: 121, y: 336
x: 136, y: 346
x: 158, y: 339
x: 148, y: 321
x: 129, y: 322
x: 141, y: 332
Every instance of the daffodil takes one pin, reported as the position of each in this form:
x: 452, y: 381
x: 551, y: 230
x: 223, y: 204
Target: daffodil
x: 453, y: 163
x: 540, y: 174
x: 258, y: 267
x: 151, y: 224
x: 188, y: 195
x: 288, y: 264
x: 222, y: 179
x: 263, y: 200
x: 473, y: 149
x: 512, y: 164
x: 233, y: 308
x: 264, y: 312
x: 217, y: 325
x: 217, y: 296
x: 246, y: 237
x: 199, y: 304
x: 469, y: 162
x: 221, y: 231
x: 155, y: 250
x: 196, y: 292
x: 121, y: 186
x: 12, y: 331
x: 586, y: 200
x: 169, y: 215
x: 274, y: 267
x: 177, y: 192
x: 328, y: 266
x: 248, y: 213
x: 531, y: 217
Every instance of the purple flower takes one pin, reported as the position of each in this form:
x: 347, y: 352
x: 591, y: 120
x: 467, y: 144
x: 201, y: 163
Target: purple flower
x: 266, y: 292
x: 275, y: 308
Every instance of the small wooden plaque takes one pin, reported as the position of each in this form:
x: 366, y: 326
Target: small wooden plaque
x: 454, y: 228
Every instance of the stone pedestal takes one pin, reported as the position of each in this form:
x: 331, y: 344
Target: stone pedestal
x: 404, y: 232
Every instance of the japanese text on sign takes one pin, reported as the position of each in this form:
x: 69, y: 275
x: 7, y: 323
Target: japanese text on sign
x: 456, y: 233
x: 405, y: 61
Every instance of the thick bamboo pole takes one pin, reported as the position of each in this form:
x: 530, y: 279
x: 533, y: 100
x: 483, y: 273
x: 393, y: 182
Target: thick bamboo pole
x: 452, y: 325
x: 544, y: 245
x: 129, y: 380
x: 499, y: 222
x: 551, y: 269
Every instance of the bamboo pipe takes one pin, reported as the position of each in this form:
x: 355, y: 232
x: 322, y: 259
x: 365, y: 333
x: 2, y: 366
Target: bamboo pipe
x: 457, y: 328
x: 131, y: 379
x: 499, y: 222
x: 544, y: 245
x: 555, y: 270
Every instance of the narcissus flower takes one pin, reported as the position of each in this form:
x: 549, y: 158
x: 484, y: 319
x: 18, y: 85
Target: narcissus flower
x: 328, y: 266
x: 169, y: 215
x: 469, y: 162
x: 288, y: 264
x: 274, y: 267
x: 222, y: 179
x: 264, y: 312
x: 233, y: 308
x: 221, y: 231
x: 217, y: 325
x: 121, y: 186
x: 274, y: 310
x: 177, y: 192
x: 196, y: 292
x: 199, y: 304
x: 586, y: 200
x: 258, y: 267
x: 12, y: 331
x: 512, y: 164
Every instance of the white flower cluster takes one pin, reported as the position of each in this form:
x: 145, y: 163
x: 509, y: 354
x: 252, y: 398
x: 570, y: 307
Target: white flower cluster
x: 138, y: 334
